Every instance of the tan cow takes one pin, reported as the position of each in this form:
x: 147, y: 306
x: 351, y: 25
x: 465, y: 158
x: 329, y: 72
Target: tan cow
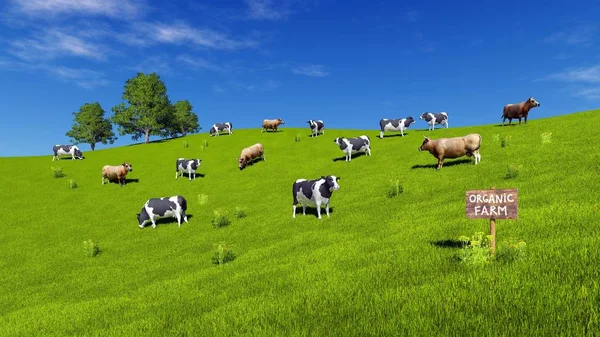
x: 271, y: 124
x: 251, y: 153
x: 519, y: 110
x: 116, y: 172
x: 453, y: 147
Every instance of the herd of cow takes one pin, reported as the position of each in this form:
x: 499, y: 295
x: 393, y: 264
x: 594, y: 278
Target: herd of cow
x: 315, y: 192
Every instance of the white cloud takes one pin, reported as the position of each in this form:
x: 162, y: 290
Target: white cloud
x: 158, y: 64
x: 311, y: 70
x: 579, y: 35
x: 413, y: 16
x: 589, y: 93
x: 584, y: 74
x: 50, y: 8
x: 268, y: 85
x: 54, y: 43
x: 197, y: 62
x: 265, y: 10
x: 218, y: 89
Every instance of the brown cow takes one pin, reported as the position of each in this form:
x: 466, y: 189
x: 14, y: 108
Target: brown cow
x: 271, y: 124
x: 453, y: 147
x: 250, y: 153
x: 519, y: 110
x: 116, y: 172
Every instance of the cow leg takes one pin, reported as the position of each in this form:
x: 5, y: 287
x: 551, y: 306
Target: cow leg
x: 176, y: 174
x: 194, y: 175
x: 525, y: 120
x: 293, y: 211
x: 369, y: 151
x: 153, y: 222
x: 318, y: 209
x: 381, y: 134
x: 509, y: 121
x: 440, y: 163
x: 327, y: 209
x: 519, y: 120
x: 184, y: 217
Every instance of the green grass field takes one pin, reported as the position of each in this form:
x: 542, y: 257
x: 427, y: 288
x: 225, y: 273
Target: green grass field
x: 378, y: 266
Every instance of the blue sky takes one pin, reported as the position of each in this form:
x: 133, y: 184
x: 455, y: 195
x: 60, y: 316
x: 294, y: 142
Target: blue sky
x: 349, y: 63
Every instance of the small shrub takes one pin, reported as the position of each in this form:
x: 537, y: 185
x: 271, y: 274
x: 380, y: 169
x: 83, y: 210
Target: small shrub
x: 91, y: 248
x: 505, y: 141
x: 546, y: 137
x: 511, y: 250
x: 223, y: 254
x: 476, y: 249
x: 185, y: 143
x: 204, y: 144
x: 297, y: 138
x: 220, y: 219
x: 57, y: 172
x: 202, y: 199
x: 395, y: 188
x: 72, y: 183
x: 496, y: 138
x: 512, y: 172
x: 240, y: 213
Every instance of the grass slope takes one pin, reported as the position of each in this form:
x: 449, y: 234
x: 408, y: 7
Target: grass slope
x: 373, y: 268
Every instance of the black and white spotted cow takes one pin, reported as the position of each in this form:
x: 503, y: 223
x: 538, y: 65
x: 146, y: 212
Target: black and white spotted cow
x: 217, y: 128
x: 435, y: 118
x: 353, y: 145
x: 399, y: 124
x: 158, y: 208
x: 60, y: 150
x: 316, y: 126
x: 188, y: 166
x: 314, y: 193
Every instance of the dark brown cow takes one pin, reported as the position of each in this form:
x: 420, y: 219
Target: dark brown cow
x: 519, y: 110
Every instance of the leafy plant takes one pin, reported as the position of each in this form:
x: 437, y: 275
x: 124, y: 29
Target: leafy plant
x: 546, y: 137
x: 395, y: 188
x: 505, y: 141
x: 512, y: 172
x: 496, y: 137
x: 202, y: 199
x: 220, y: 219
x: 511, y: 250
x: 57, y: 172
x: 91, y: 248
x: 240, y: 213
x: 223, y: 255
x: 185, y: 143
x: 72, y: 183
x: 297, y: 138
x: 476, y: 249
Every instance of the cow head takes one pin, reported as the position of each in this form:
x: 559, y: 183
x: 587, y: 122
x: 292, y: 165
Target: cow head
x: 142, y: 216
x: 79, y: 154
x: 280, y: 121
x: 338, y: 140
x: 127, y: 166
x: 196, y: 163
x: 242, y: 162
x: 311, y: 123
x: 410, y: 120
x: 331, y: 182
x: 423, y: 115
x: 531, y: 101
x: 424, y: 145
x: 212, y: 130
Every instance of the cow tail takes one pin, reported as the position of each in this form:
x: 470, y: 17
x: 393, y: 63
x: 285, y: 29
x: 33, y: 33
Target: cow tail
x: 182, y: 202
x: 295, y: 193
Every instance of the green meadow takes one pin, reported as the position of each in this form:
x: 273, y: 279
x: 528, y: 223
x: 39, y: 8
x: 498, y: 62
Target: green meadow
x: 378, y: 266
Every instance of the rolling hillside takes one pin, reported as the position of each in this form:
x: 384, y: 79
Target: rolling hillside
x: 378, y: 266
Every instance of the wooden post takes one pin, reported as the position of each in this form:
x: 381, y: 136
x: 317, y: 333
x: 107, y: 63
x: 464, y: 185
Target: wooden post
x: 493, y: 231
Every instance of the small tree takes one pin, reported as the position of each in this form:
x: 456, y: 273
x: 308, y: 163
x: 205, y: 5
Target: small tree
x: 184, y: 121
x: 148, y: 112
x: 91, y: 127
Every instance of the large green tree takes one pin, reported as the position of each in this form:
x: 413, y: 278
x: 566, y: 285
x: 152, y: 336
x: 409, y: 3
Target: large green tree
x: 184, y: 120
x: 91, y: 127
x: 148, y: 111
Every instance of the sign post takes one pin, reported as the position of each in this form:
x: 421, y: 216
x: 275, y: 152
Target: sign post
x: 492, y: 204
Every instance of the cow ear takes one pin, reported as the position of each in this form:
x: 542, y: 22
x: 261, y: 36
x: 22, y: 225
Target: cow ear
x: 337, y: 178
x: 322, y: 177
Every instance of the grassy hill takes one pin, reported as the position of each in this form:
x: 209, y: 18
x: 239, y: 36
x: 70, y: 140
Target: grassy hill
x: 378, y: 266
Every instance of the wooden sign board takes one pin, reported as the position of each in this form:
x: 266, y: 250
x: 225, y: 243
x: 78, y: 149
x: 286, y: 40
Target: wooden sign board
x: 492, y: 204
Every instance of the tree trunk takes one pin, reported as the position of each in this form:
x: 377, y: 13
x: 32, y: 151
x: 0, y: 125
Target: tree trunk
x: 183, y: 132
x: 147, y: 135
x: 93, y: 145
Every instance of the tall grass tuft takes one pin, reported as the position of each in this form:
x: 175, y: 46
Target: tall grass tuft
x: 72, y: 183
x: 511, y: 250
x: 240, y: 213
x: 220, y: 219
x: 91, y: 248
x: 204, y: 144
x: 512, y: 172
x: 185, y: 143
x: 57, y: 172
x: 297, y: 138
x: 395, y: 188
x: 546, y: 137
x: 223, y: 255
x: 505, y: 141
x: 202, y: 199
x: 476, y: 249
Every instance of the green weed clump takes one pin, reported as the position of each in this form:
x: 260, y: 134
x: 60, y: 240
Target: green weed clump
x: 223, y: 255
x: 395, y: 188
x: 57, y: 172
x: 496, y: 137
x: 546, y: 137
x: 476, y: 249
x: 505, y: 141
x: 240, y: 213
x: 511, y: 250
x: 91, y: 248
x: 512, y: 172
x: 297, y: 138
x: 220, y: 219
x: 202, y: 199
x: 185, y: 143
x: 72, y: 183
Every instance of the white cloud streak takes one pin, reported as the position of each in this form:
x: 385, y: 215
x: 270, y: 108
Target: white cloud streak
x: 118, y: 9
x: 54, y: 43
x: 312, y: 70
x: 583, y: 74
x: 265, y: 10
x: 583, y: 34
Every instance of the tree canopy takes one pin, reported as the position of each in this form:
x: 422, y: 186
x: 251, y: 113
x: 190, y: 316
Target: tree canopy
x: 91, y: 127
x: 183, y: 121
x: 148, y: 110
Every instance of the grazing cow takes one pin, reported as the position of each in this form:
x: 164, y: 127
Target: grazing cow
x: 158, y: 208
x: 316, y: 126
x: 251, y: 153
x: 73, y: 150
x: 188, y: 166
x: 435, y: 118
x: 314, y: 193
x: 519, y: 110
x: 353, y: 145
x: 217, y: 128
x: 271, y: 124
x: 453, y: 147
x: 116, y: 172
x: 395, y: 125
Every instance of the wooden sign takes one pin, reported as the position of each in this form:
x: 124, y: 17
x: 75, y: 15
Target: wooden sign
x: 492, y: 204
